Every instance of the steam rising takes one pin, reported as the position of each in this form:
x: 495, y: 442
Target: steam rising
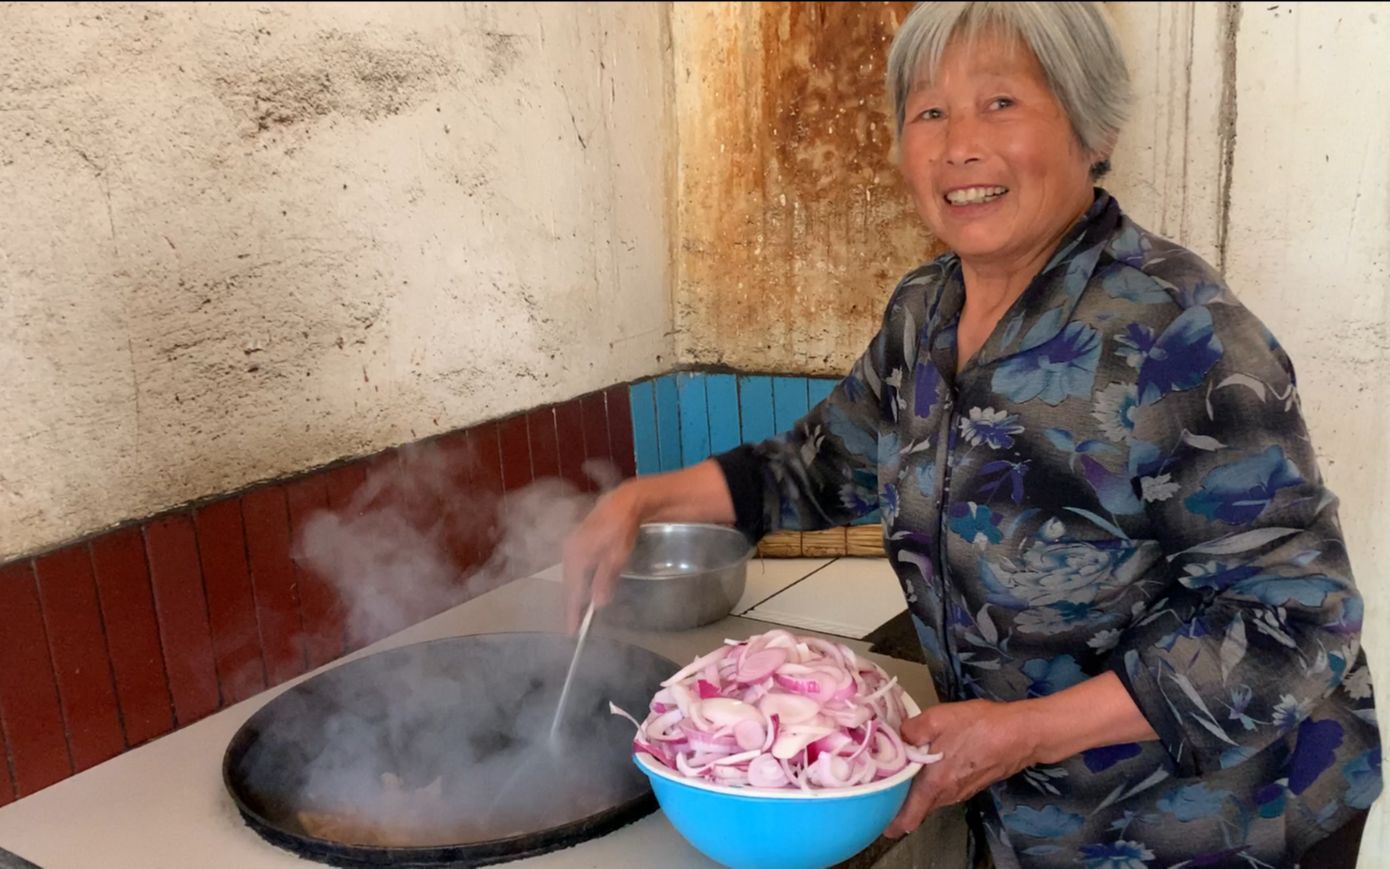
x: 447, y: 742
x: 393, y: 553
x: 427, y: 745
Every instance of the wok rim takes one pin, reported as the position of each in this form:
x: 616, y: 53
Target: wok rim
x: 479, y: 853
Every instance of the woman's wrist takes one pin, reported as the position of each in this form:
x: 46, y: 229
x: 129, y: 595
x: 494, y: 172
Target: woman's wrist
x: 1033, y: 730
x: 1091, y: 714
x: 694, y: 494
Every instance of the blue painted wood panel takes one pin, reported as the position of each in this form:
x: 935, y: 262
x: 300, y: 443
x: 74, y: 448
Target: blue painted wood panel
x: 668, y: 422
x: 694, y: 416
x: 721, y: 401
x: 788, y: 401
x: 642, y: 398
x: 819, y: 388
x: 755, y: 408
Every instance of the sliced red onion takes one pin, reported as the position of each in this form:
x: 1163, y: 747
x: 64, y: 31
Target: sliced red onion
x: 726, y: 711
x: 795, y: 737
x: 718, y: 742
x: 750, y: 735
x: 697, y: 665
x: 790, y: 708
x: 614, y: 709
x: 759, y: 665
x: 888, y: 751
x: 664, y: 727
x: 779, y: 711
x: 764, y: 771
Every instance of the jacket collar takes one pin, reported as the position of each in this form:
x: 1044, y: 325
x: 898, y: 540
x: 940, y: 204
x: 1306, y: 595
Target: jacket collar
x: 1044, y: 308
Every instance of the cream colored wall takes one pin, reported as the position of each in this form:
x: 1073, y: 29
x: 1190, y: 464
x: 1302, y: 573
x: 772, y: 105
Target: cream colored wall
x: 241, y: 240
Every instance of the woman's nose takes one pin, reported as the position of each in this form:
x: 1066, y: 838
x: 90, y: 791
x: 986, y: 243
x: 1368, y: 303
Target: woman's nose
x: 962, y: 141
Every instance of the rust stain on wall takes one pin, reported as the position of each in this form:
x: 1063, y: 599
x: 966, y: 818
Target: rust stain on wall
x: 793, y: 223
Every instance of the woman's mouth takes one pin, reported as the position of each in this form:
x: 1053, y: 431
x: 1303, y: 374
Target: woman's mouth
x: 974, y: 195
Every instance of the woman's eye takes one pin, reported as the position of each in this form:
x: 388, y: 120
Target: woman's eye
x: 932, y: 115
x: 1000, y: 103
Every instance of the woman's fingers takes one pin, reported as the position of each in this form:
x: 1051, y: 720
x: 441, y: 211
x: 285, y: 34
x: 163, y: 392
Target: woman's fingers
x: 595, y: 555
x: 921, y: 799
x: 922, y: 729
x: 606, y: 576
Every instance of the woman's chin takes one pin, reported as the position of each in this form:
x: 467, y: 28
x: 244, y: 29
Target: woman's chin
x: 976, y: 245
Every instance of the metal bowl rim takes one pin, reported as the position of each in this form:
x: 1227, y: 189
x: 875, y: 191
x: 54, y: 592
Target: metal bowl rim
x: 724, y: 530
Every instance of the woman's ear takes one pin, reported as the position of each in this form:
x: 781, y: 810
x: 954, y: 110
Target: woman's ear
x: 1100, y: 158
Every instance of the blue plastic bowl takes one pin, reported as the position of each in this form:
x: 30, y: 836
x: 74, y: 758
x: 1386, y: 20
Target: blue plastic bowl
x: 749, y: 828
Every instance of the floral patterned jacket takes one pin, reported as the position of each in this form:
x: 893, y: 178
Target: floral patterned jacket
x: 1120, y: 479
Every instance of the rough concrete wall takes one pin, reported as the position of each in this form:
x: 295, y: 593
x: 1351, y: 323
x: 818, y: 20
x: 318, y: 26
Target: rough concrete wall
x: 793, y: 226
x: 1171, y: 161
x: 241, y: 240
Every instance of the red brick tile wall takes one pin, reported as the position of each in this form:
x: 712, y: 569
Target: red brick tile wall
x: 122, y: 638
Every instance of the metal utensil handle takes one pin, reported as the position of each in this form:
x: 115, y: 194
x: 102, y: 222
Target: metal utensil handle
x: 569, y: 677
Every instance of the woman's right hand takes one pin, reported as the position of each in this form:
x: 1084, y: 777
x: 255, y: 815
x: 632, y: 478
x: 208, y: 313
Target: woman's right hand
x: 595, y: 553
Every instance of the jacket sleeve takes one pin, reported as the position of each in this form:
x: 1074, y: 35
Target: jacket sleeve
x: 823, y: 472
x: 1262, y: 618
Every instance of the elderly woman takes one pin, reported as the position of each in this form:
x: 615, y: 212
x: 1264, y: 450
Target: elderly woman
x: 1096, y: 488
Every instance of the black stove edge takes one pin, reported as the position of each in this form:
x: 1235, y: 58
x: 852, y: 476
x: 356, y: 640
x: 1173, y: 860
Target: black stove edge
x: 10, y: 860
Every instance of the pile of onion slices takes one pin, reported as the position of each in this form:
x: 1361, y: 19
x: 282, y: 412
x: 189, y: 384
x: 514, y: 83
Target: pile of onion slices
x: 779, y: 711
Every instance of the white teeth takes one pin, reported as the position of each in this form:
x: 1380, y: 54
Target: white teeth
x: 975, y: 195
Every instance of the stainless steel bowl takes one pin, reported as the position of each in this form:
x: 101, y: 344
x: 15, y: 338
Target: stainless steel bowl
x: 681, y: 575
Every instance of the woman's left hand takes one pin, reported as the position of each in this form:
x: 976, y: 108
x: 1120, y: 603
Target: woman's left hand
x: 980, y: 742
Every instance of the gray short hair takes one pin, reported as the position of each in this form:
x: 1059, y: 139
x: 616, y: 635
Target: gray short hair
x: 1074, y: 43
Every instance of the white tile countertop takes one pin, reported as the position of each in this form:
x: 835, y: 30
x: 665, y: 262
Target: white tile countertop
x: 847, y: 597
x: 164, y: 804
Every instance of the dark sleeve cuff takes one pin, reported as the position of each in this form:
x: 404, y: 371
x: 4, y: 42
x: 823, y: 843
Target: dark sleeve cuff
x: 743, y: 473
x: 1127, y: 665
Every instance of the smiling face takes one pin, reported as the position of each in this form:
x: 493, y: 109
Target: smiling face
x: 990, y: 156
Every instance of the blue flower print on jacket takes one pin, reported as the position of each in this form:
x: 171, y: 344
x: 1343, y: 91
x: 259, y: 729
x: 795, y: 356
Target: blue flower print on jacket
x: 975, y: 523
x: 1314, y: 752
x: 1050, y: 822
x: 1063, y: 616
x: 1054, y: 371
x: 1119, y: 482
x: 994, y: 428
x: 888, y: 502
x: 1053, y: 573
x: 1216, y: 575
x: 1051, y: 676
x: 1114, y: 410
x: 1120, y: 854
x: 1181, y: 357
x: 1363, y: 779
x: 926, y: 388
x: 1194, y: 802
x: 1134, y: 344
x: 1238, y: 492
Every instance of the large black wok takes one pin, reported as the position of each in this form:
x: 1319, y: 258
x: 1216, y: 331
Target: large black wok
x: 437, y: 753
